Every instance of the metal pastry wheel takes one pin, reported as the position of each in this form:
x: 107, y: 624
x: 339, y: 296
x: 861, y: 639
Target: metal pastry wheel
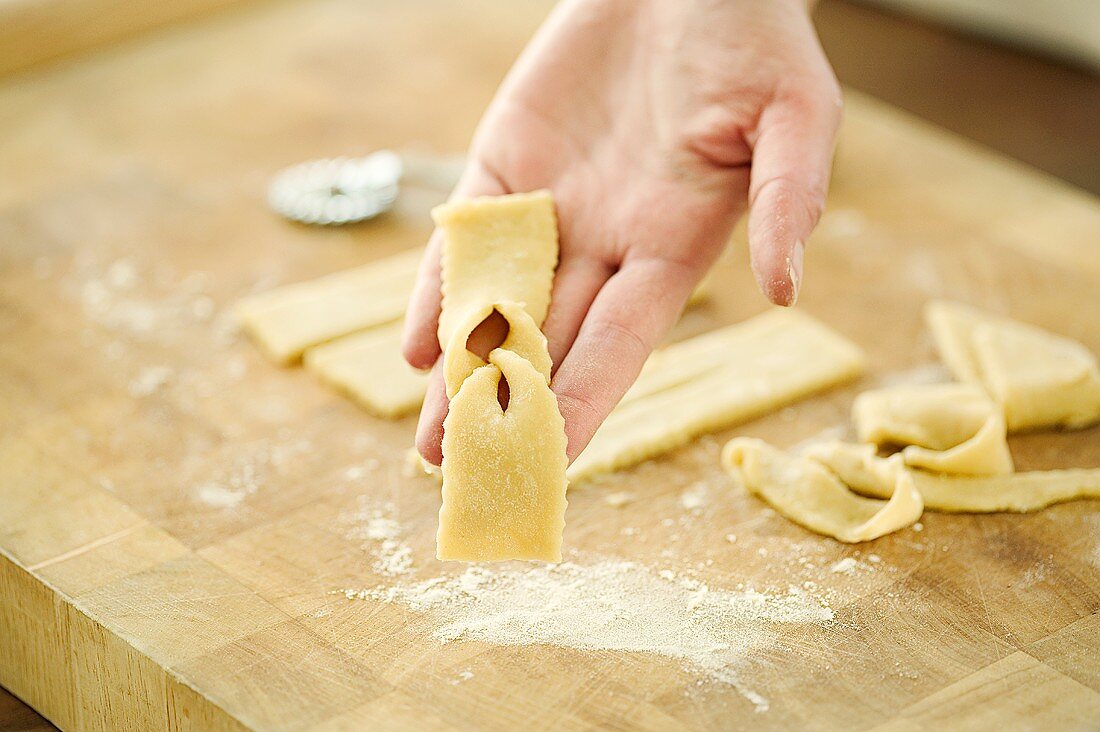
x: 336, y: 191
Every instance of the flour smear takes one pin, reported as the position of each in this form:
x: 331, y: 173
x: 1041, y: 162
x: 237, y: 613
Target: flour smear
x: 609, y: 605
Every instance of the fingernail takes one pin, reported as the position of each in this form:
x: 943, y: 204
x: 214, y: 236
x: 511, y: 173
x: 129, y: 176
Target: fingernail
x: 794, y: 269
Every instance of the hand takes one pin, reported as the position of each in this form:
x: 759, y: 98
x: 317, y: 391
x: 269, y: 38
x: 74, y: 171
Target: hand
x: 655, y: 123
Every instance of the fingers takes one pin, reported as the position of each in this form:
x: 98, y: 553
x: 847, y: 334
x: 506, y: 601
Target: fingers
x: 629, y: 316
x: 429, y: 430
x: 576, y: 283
x: 792, y: 155
x: 419, y: 342
x: 575, y: 286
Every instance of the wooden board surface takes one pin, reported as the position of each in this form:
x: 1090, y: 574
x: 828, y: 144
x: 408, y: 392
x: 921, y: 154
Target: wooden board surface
x: 36, y: 31
x: 174, y: 515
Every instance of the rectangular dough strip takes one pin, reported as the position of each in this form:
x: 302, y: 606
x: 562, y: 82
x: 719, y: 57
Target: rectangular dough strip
x: 288, y: 320
x: 368, y: 367
x: 751, y: 369
x: 503, y: 467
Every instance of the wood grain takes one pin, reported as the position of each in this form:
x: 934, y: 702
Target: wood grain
x: 174, y: 516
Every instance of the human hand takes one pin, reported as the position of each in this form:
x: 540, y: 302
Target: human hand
x: 654, y: 123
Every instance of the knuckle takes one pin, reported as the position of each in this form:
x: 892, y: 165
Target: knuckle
x: 788, y: 195
x: 620, y: 338
x: 579, y: 410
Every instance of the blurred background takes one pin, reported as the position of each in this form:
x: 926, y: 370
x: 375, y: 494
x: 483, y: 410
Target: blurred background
x: 1019, y: 76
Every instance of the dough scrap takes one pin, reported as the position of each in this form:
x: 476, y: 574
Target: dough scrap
x: 503, y: 470
x: 807, y: 493
x: 504, y: 481
x: 718, y: 380
x: 986, y: 453
x: 369, y: 368
x: 934, y: 416
x: 288, y: 320
x: 952, y: 326
x: 1041, y: 379
x: 949, y: 428
x: 860, y: 468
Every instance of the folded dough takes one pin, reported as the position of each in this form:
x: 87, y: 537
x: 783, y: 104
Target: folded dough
x: 807, y: 493
x: 933, y: 416
x: 949, y: 428
x: 523, y: 338
x: 1040, y: 379
x: 503, y: 468
x: 864, y: 472
x: 986, y: 453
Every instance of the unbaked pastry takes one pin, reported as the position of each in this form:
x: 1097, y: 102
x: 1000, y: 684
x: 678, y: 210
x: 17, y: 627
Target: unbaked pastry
x: 503, y: 469
x: 949, y: 428
x: 718, y: 380
x: 368, y: 367
x: 807, y: 493
x: 1040, y: 379
x: 864, y: 472
x: 288, y: 320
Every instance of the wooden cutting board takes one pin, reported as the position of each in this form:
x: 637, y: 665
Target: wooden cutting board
x: 174, y: 509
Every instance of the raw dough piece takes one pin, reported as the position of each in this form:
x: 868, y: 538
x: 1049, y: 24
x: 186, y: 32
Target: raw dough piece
x: 934, y: 416
x: 860, y: 468
x: 949, y: 428
x: 986, y: 453
x: 287, y: 320
x: 1041, y: 379
x: 804, y: 491
x: 503, y: 471
x: 504, y: 478
x: 952, y: 326
x: 718, y: 380
x: 498, y: 249
x: 369, y: 368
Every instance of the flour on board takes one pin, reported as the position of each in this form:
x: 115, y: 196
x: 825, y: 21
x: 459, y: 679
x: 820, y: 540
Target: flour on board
x: 694, y: 498
x: 249, y: 472
x: 381, y: 534
x: 847, y: 565
x: 610, y: 605
x: 149, y: 381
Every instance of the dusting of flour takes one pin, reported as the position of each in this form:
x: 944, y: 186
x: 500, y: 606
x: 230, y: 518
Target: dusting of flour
x: 608, y: 605
x: 381, y: 534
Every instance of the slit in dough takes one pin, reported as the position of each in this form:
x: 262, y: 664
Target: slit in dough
x: 524, y: 338
x: 504, y: 480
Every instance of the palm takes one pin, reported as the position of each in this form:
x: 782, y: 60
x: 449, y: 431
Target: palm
x: 654, y: 123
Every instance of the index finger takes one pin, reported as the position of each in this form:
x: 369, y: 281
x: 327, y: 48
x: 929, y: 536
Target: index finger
x: 629, y: 316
